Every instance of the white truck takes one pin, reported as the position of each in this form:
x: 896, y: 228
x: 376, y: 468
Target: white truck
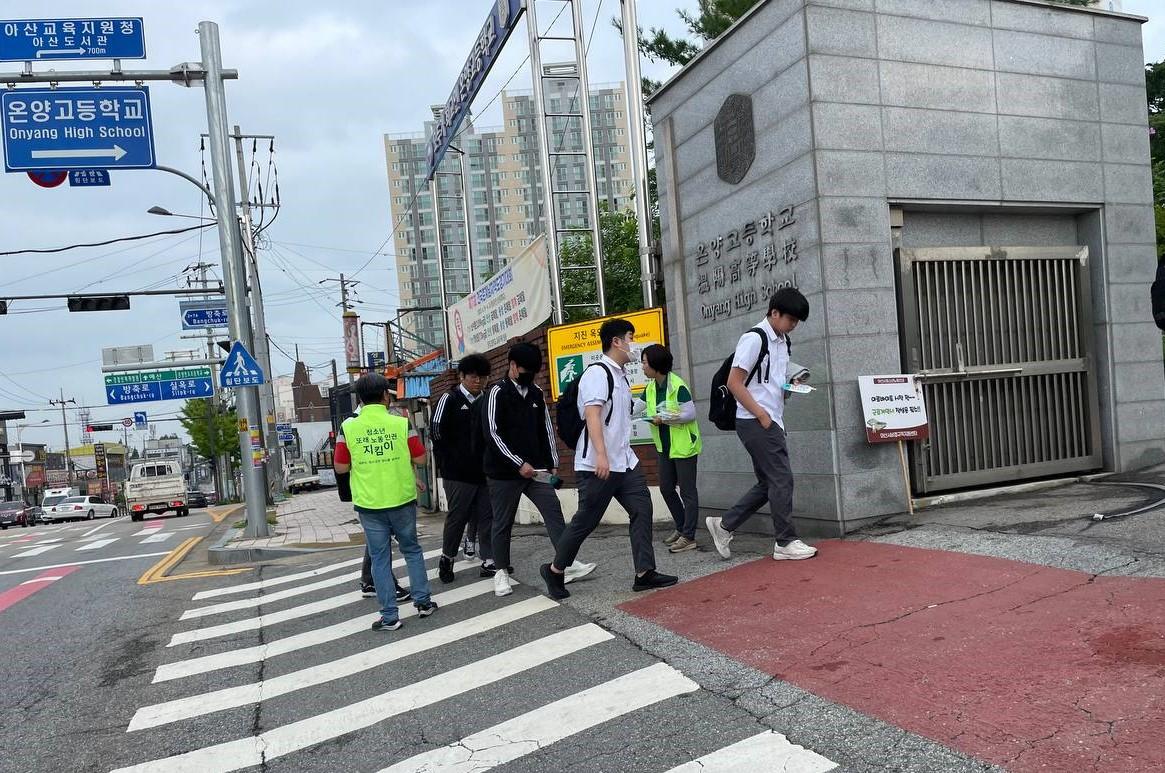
x: 156, y: 487
x: 300, y: 477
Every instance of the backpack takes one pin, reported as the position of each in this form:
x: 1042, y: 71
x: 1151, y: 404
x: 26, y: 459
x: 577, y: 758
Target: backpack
x: 572, y: 425
x: 721, y: 403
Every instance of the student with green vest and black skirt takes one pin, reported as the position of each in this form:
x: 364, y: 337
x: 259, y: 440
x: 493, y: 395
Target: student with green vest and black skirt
x: 672, y: 414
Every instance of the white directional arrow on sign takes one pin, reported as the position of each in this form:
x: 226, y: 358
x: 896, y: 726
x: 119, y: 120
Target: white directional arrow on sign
x: 116, y: 153
x: 77, y: 51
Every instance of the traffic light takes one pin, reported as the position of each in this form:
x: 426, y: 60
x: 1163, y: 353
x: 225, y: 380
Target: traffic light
x: 99, y: 428
x: 99, y: 303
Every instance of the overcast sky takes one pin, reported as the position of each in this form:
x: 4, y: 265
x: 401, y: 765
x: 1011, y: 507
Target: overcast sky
x: 329, y: 82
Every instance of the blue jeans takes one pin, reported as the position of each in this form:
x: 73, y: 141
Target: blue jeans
x: 380, y: 526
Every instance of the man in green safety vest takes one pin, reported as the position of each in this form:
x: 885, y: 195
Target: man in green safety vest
x: 382, y: 452
x: 672, y: 414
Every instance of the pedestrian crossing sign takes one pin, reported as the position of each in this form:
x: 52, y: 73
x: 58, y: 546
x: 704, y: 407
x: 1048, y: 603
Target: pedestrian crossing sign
x: 239, y: 369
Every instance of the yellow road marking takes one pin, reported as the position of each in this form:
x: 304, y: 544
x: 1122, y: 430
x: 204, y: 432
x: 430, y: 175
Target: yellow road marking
x: 157, y: 573
x: 225, y: 513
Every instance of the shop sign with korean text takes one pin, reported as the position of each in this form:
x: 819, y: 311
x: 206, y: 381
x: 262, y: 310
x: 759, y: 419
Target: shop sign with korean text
x: 893, y: 408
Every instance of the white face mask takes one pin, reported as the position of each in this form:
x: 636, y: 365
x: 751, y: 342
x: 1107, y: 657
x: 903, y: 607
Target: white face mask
x: 634, y: 352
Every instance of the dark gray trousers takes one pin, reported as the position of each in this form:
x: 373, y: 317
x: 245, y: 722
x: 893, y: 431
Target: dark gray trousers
x: 774, y: 479
x: 505, y: 495
x: 468, y: 503
x: 684, y: 506
x: 594, y: 496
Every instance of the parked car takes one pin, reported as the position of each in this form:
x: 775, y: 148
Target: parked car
x: 87, y: 507
x: 17, y: 514
x: 196, y: 499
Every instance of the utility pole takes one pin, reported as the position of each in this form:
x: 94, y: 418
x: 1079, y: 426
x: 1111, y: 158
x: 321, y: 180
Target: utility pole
x: 65, y: 427
x: 234, y: 270
x: 262, y: 351
x: 350, y: 320
x: 218, y: 465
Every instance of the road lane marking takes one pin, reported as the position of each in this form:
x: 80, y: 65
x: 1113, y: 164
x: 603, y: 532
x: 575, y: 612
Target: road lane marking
x: 36, y: 551
x: 50, y: 541
x: 233, y: 606
x: 274, y: 581
x: 94, y: 530
x: 222, y: 515
x: 98, y: 544
x: 300, y: 641
x: 29, y: 587
x: 80, y: 563
x: 148, y: 531
x: 315, y: 607
x: 553, y: 722
x: 157, y: 537
x: 767, y: 751
x: 284, y: 740
x: 365, y: 660
x: 159, y: 571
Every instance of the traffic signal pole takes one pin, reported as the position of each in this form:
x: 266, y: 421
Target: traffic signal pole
x: 234, y: 270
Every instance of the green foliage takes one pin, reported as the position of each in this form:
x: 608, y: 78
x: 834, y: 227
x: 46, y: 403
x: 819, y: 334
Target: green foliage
x: 1155, y: 93
x: 710, y: 20
x: 620, y: 235
x: 198, y: 423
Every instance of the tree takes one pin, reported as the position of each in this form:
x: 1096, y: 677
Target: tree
x: 711, y: 19
x: 620, y: 234
x: 198, y: 423
x: 1155, y: 93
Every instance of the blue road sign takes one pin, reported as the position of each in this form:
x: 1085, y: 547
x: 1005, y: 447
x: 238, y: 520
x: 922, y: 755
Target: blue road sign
x: 77, y: 128
x: 376, y: 360
x: 202, y: 314
x: 88, y: 178
x: 152, y: 391
x: 119, y: 394
x: 56, y: 40
x: 239, y: 369
x: 140, y: 420
x: 184, y: 389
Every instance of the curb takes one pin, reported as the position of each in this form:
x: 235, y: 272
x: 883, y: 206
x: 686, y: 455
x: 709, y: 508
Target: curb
x: 221, y: 555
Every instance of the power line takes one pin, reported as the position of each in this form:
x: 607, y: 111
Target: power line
x: 107, y: 242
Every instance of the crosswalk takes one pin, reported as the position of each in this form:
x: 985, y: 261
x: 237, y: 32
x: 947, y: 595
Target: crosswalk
x: 32, y: 547
x: 287, y: 669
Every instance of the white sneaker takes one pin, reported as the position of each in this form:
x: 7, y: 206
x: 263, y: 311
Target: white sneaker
x: 578, y: 569
x: 721, y: 537
x: 794, y: 551
x: 502, y: 583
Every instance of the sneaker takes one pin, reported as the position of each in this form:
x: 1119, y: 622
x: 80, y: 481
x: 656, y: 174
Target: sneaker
x: 424, y: 610
x: 367, y: 590
x: 682, y: 545
x: 403, y: 595
x: 502, y: 583
x: 445, y: 570
x: 384, y: 625
x: 721, y: 537
x: 794, y: 551
x: 669, y: 539
x: 488, y: 570
x: 577, y: 570
x: 652, y: 579
x: 555, y: 583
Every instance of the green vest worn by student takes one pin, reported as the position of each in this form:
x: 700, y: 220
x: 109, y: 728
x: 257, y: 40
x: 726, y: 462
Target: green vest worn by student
x: 684, y: 439
x: 382, y: 467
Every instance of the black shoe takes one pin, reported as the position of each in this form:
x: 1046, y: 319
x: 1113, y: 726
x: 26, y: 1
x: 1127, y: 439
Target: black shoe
x: 402, y: 595
x: 367, y: 590
x: 555, y: 583
x: 424, y: 610
x: 488, y: 570
x: 652, y: 580
x: 381, y: 625
x: 445, y: 570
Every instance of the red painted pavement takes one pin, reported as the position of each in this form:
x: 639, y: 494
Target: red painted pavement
x: 29, y: 587
x: 1024, y: 666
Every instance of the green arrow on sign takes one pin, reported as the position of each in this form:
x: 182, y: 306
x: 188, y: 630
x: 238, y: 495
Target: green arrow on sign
x: 149, y: 376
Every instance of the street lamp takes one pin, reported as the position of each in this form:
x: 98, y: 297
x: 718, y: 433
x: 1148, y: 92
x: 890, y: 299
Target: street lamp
x: 20, y: 443
x: 156, y: 210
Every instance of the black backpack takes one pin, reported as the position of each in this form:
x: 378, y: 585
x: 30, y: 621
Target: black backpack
x: 721, y: 403
x: 571, y: 425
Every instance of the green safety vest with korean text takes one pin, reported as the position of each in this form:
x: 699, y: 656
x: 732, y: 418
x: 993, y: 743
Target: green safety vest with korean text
x: 683, y: 439
x: 382, y: 467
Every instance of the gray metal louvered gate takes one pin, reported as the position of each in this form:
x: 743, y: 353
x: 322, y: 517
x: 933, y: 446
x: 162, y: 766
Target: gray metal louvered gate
x: 1001, y: 338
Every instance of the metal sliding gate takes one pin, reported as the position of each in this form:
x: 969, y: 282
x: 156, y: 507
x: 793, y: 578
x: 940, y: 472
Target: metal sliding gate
x: 1001, y: 338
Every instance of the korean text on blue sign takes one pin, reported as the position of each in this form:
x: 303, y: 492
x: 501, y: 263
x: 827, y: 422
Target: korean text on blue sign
x: 88, y: 178
x: 77, y: 128
x: 501, y: 22
x: 30, y: 40
x: 203, y: 314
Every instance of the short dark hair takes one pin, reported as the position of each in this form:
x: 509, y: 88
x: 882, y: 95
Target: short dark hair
x: 789, y: 300
x: 371, y: 388
x: 659, y: 358
x: 526, y: 356
x: 612, y: 329
x: 474, y: 365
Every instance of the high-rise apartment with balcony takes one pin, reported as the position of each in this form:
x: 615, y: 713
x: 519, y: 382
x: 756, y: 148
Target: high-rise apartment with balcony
x: 505, y: 192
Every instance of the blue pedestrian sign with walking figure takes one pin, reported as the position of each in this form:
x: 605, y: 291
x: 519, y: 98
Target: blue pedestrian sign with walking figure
x: 78, y: 128
x: 239, y: 369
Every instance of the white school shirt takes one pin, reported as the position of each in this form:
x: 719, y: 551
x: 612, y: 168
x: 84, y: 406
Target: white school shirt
x: 592, y: 390
x: 768, y: 393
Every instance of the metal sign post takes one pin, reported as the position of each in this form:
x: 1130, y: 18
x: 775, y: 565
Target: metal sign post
x: 638, y: 144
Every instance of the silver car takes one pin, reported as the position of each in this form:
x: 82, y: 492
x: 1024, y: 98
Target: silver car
x: 87, y: 507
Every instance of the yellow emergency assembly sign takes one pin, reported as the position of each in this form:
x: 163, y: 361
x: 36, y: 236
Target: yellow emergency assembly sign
x: 573, y: 347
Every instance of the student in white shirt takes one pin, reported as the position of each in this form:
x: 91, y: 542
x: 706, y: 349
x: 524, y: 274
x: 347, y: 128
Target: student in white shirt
x: 606, y: 466
x: 760, y: 423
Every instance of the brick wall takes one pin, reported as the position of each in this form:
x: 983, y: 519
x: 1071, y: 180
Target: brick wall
x: 499, y: 363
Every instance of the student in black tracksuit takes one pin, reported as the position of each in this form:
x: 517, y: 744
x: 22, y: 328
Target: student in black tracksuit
x: 461, y: 470
x: 519, y: 443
